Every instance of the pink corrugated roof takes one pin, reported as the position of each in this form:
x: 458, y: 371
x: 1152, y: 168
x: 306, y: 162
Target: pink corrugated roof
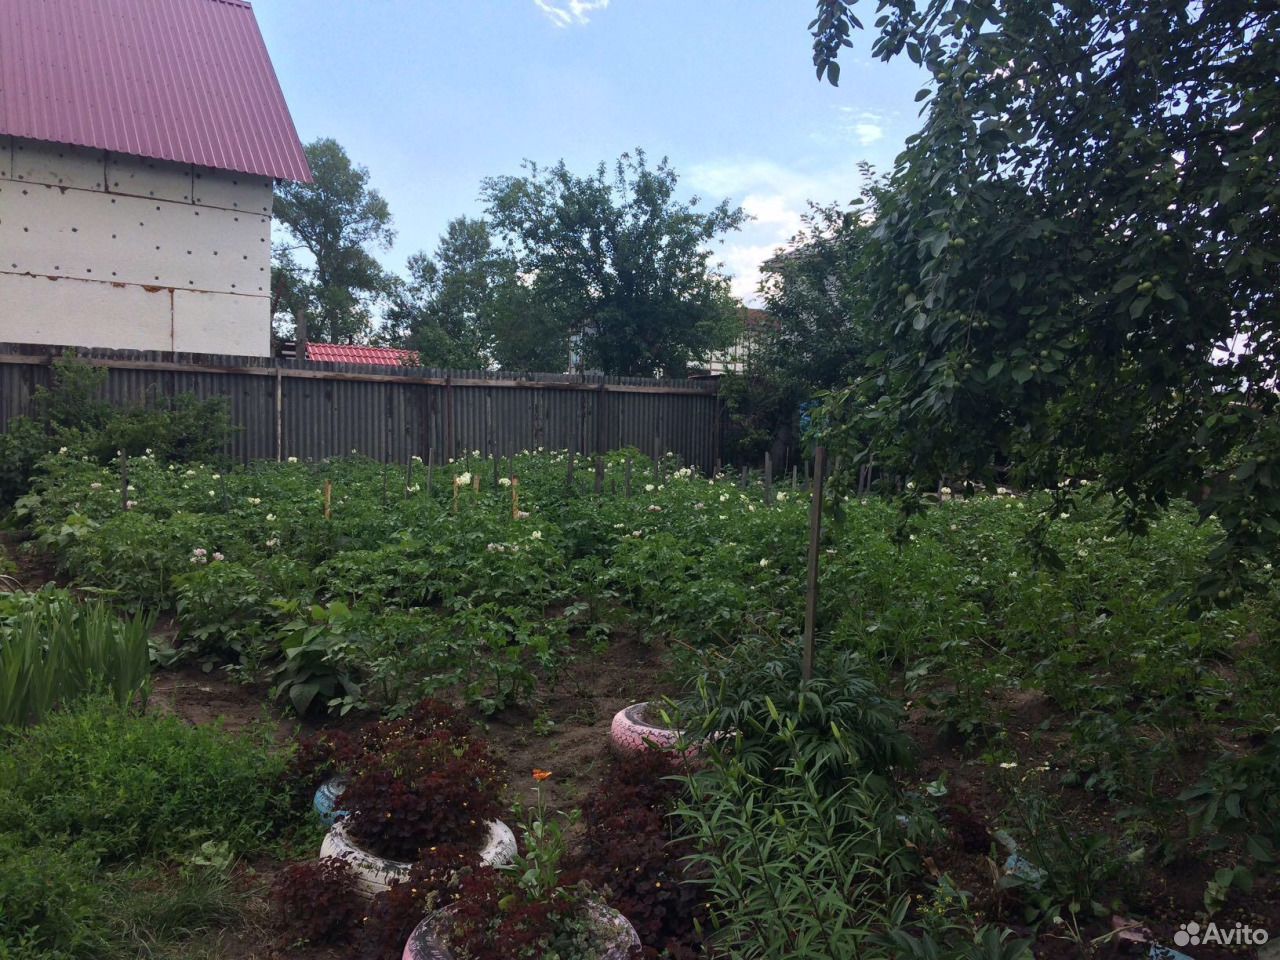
x: 182, y: 80
x: 351, y: 353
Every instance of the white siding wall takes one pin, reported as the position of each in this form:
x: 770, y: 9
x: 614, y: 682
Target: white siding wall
x: 107, y: 250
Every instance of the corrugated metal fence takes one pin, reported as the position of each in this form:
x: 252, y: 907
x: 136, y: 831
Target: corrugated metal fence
x: 294, y: 408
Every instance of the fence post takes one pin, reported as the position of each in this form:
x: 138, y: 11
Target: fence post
x: 279, y: 414
x: 815, y: 537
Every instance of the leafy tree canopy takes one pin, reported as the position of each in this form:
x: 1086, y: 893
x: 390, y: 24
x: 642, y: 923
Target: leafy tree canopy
x: 1076, y: 261
x: 467, y: 307
x: 336, y: 219
x: 623, y: 263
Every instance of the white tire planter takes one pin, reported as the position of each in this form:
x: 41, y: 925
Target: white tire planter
x: 630, y: 734
x: 374, y: 875
x: 615, y: 937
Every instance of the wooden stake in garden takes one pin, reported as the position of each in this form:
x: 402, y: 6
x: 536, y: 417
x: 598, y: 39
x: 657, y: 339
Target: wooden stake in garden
x: 626, y: 481
x: 457, y: 482
x: 568, y: 477
x: 599, y: 476
x: 431, y: 467
x: 768, y: 477
x: 408, y: 478
x: 124, y: 480
x: 328, y: 499
x: 815, y: 537
x: 515, y: 498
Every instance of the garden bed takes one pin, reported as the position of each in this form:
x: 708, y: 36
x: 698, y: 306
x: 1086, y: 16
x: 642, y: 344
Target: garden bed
x: 1080, y: 698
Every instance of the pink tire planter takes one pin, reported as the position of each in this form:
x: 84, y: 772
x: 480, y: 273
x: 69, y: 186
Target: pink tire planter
x: 374, y: 874
x: 615, y: 938
x: 631, y: 734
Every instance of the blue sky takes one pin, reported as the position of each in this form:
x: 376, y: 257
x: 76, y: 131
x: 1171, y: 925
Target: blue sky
x: 434, y: 95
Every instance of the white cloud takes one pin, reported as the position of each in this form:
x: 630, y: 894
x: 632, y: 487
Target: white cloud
x: 776, y: 196
x: 565, y: 13
x: 868, y: 132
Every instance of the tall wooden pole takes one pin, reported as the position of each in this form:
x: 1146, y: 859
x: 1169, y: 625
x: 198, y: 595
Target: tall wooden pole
x: 815, y: 537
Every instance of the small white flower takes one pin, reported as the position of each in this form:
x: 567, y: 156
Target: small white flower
x: 723, y: 517
x: 254, y: 501
x: 724, y: 497
x: 946, y: 491
x: 130, y: 504
x: 911, y: 484
x: 781, y: 497
x: 198, y: 552
x: 654, y: 508
x: 95, y: 486
x: 293, y: 459
x: 504, y: 481
x: 637, y: 533
x: 536, y: 535
x: 416, y: 458
x: 273, y: 542
x: 218, y: 556
x: 619, y: 526
x: 475, y: 453
x: 1008, y: 765
x: 217, y: 476
x: 954, y: 527
x: 212, y: 493
x: 522, y: 514
x: 463, y: 478
x: 148, y: 451
x: 648, y: 488
x: 1013, y: 574
x: 751, y: 507
x: 699, y: 506
x: 189, y: 473
x: 413, y: 489
x: 129, y: 487
x: 764, y: 562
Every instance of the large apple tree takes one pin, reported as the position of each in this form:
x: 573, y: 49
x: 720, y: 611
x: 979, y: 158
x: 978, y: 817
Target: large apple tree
x: 1075, y: 265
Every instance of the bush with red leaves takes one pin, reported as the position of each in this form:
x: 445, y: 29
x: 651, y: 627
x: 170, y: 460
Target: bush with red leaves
x: 628, y: 852
x: 315, y: 902
x: 411, y: 783
x: 433, y: 883
x: 422, y: 790
x: 493, y: 918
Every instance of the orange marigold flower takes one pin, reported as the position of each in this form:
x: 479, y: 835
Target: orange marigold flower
x: 541, y: 774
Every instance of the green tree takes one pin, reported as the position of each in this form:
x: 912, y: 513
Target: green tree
x: 467, y: 307
x: 625, y: 265
x: 337, y: 219
x: 812, y: 338
x: 1076, y: 261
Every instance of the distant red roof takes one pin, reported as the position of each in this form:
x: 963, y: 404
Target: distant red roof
x: 182, y: 80
x: 350, y: 353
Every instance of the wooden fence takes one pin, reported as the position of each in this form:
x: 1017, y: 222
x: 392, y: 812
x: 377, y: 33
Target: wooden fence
x: 294, y: 408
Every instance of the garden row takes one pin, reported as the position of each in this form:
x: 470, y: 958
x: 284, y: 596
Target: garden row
x: 1075, y: 716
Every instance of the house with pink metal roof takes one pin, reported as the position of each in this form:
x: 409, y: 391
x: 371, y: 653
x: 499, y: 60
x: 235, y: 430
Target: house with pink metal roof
x: 140, y: 141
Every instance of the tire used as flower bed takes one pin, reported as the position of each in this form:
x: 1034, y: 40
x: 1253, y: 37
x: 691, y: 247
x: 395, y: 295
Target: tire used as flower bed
x: 374, y: 874
x: 632, y: 733
x: 615, y: 938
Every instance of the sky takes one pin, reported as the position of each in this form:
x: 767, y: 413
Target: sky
x: 435, y: 95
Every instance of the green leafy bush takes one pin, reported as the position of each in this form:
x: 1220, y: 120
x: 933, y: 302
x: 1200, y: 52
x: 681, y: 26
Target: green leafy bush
x: 126, y: 785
